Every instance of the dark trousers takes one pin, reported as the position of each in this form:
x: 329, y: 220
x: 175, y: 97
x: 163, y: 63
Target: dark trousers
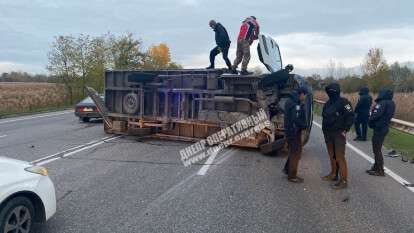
x: 377, y: 142
x: 361, y: 128
x: 217, y: 50
x: 335, y: 144
x: 295, y: 153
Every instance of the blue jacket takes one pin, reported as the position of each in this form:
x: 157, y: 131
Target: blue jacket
x: 364, y: 105
x: 294, y: 118
x: 383, y: 111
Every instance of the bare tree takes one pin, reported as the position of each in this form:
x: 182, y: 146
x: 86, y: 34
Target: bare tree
x: 82, y: 46
x: 331, y: 69
x: 374, y: 62
x: 62, y: 62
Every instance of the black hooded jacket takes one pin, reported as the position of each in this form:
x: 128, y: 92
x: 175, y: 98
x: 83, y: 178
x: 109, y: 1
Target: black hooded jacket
x: 295, y: 117
x: 364, y: 105
x: 222, y: 37
x: 383, y: 111
x: 337, y: 113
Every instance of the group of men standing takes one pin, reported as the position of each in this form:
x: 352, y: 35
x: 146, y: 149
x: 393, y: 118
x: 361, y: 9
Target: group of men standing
x: 249, y: 32
x: 338, y: 117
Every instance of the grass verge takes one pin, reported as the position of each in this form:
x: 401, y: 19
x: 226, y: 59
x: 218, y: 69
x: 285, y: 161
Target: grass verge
x: 7, y: 114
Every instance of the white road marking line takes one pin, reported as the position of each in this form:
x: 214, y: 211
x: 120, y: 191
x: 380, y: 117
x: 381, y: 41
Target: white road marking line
x: 392, y: 174
x: 35, y: 117
x: 3, y: 136
x: 72, y: 151
x: 203, y: 170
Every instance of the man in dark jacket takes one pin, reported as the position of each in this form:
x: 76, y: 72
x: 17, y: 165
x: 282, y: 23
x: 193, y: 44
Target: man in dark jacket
x: 379, y: 120
x: 337, y: 119
x: 223, y: 44
x: 294, y: 123
x: 362, y: 114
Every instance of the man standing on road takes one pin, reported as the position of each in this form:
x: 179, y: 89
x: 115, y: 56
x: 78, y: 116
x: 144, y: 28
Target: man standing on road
x: 223, y: 44
x: 362, y: 114
x: 294, y: 123
x: 337, y: 119
x: 379, y: 120
x: 249, y: 31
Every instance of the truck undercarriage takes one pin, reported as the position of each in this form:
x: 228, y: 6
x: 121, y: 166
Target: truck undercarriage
x: 191, y: 104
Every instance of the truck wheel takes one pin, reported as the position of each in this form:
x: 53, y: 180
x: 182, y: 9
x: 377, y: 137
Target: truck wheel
x: 309, y: 116
x: 273, y: 148
x: 131, y: 103
x: 17, y: 215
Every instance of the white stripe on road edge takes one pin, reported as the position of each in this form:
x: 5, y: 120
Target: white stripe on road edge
x: 71, y: 151
x: 392, y: 174
x: 203, y: 170
x: 36, y: 116
x: 3, y: 136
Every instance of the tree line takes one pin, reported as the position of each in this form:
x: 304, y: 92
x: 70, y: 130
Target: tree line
x: 79, y: 61
x: 377, y: 74
x: 17, y: 76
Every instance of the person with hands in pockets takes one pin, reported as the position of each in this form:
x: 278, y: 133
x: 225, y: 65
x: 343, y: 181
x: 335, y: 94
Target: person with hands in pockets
x: 337, y: 119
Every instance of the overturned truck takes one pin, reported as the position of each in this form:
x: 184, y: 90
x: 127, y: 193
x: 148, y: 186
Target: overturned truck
x: 191, y: 104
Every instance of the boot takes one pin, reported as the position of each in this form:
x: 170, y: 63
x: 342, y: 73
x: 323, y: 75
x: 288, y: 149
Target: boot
x: 209, y: 67
x: 245, y: 72
x: 377, y: 172
x: 373, y: 168
x: 296, y: 179
x: 358, y: 138
x: 330, y: 177
x: 234, y: 71
x: 341, y: 184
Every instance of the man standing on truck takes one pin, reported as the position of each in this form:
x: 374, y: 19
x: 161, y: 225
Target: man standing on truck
x: 249, y: 31
x: 337, y: 119
x: 380, y: 120
x: 362, y: 114
x: 294, y: 123
x: 223, y: 44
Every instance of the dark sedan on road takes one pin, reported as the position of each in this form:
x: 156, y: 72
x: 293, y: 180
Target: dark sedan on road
x: 86, y: 109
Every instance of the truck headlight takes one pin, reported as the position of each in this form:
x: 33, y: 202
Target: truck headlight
x: 37, y: 170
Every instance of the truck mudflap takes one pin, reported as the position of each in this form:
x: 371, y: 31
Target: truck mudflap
x: 100, y: 105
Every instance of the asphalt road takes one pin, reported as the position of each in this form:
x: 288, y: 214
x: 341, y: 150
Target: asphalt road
x: 125, y: 185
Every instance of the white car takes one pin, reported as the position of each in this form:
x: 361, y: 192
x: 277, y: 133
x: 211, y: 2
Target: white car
x: 27, y: 195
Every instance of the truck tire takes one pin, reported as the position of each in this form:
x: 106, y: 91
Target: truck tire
x: 85, y: 119
x: 309, y: 116
x: 131, y: 103
x: 273, y: 147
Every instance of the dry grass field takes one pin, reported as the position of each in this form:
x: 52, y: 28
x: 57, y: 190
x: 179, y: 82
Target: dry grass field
x: 404, y: 102
x: 18, y: 97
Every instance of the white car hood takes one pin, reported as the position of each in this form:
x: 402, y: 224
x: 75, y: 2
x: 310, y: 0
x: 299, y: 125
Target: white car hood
x: 6, y: 162
x: 12, y: 170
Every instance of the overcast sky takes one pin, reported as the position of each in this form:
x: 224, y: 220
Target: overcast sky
x: 309, y: 33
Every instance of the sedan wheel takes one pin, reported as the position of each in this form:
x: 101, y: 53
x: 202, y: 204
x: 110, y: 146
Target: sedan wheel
x: 18, y: 215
